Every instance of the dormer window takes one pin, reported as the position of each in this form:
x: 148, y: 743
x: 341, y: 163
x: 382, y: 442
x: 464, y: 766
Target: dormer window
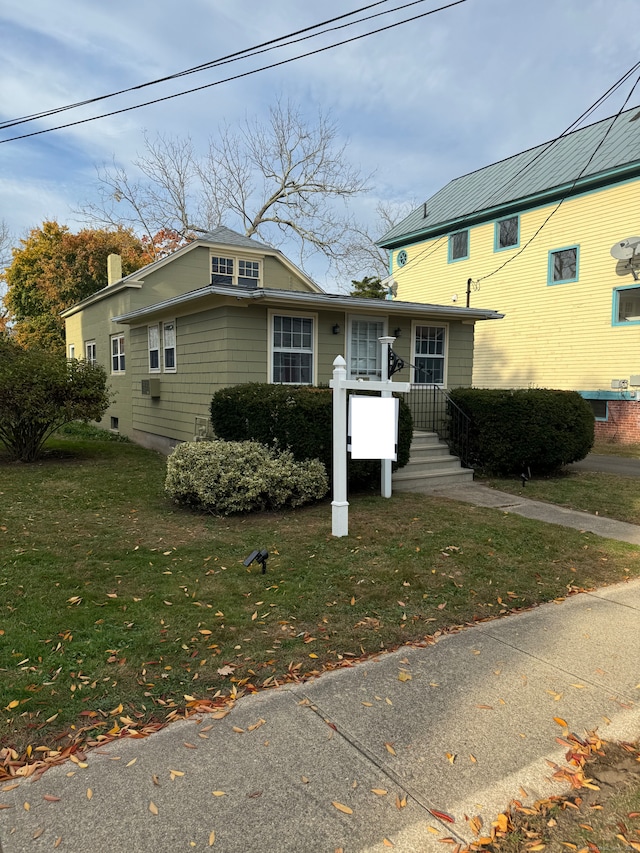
x: 235, y: 272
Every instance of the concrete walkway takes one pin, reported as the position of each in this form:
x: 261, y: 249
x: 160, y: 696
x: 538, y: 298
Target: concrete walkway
x: 359, y: 759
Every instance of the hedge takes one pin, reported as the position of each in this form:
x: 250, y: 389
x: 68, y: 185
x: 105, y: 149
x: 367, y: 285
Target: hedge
x: 512, y: 431
x: 298, y: 419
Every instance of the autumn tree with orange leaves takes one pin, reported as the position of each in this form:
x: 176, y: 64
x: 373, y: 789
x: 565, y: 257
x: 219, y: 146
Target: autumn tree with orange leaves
x: 54, y: 268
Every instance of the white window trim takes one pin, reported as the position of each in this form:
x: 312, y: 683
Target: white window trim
x: 122, y: 351
x: 362, y: 318
x: 88, y: 344
x: 445, y: 372
x: 236, y: 258
x: 151, y: 349
x: 72, y: 350
x: 166, y: 369
x: 314, y: 355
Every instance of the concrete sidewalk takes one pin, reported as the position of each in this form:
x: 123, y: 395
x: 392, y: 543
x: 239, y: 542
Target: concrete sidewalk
x: 329, y: 764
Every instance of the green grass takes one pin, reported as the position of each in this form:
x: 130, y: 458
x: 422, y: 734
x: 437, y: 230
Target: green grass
x: 610, y: 448
x: 598, y: 493
x: 110, y: 595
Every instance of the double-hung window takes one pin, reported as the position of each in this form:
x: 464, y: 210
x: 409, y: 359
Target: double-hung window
x: 169, y: 350
x: 221, y: 270
x: 429, y: 349
x: 248, y: 273
x: 117, y: 353
x: 459, y: 246
x: 365, y: 352
x: 292, y: 350
x: 90, y: 351
x: 563, y: 265
x: 153, y: 334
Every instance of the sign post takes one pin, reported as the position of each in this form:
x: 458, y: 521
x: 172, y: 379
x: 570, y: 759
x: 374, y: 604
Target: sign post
x: 340, y: 385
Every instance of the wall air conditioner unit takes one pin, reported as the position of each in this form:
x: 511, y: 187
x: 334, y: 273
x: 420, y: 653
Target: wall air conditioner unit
x: 635, y: 379
x: 150, y: 388
x: 203, y: 430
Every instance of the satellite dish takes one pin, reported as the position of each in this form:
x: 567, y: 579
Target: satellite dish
x: 625, y: 249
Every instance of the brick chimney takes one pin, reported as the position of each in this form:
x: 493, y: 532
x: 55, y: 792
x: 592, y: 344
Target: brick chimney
x: 114, y: 269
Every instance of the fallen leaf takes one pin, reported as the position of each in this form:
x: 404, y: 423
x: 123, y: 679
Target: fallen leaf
x: 38, y: 833
x: 472, y: 758
x: 238, y: 730
x: 404, y: 675
x: 389, y: 748
x: 89, y: 793
x: 153, y: 808
x: 58, y: 841
x: 212, y: 838
x: 341, y: 808
x: 304, y: 780
x: 130, y: 763
x: 218, y: 793
x: 401, y: 802
x: 561, y: 722
x: 485, y: 707
x: 387, y: 843
x: 50, y: 798
x: 380, y: 792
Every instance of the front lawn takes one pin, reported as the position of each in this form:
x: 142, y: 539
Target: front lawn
x: 119, y: 609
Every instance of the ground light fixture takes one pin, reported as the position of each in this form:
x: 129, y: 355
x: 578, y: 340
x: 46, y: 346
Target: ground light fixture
x: 260, y: 557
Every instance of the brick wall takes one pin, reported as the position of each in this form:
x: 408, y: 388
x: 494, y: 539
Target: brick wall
x: 623, y: 423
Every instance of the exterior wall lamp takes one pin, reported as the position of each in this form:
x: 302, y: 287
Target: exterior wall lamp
x: 397, y: 332
x: 336, y: 329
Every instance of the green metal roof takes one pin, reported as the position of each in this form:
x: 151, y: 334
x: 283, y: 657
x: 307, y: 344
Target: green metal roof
x: 551, y: 170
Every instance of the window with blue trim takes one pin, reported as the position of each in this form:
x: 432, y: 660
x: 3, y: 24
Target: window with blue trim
x: 626, y: 305
x: 507, y: 233
x: 459, y: 246
x: 600, y: 409
x: 563, y: 265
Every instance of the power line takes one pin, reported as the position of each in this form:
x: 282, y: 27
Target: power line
x: 243, y: 74
x: 249, y: 51
x: 434, y: 246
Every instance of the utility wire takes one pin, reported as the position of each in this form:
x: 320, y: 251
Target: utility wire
x: 223, y: 60
x: 574, y: 182
x: 436, y: 245
x: 241, y: 75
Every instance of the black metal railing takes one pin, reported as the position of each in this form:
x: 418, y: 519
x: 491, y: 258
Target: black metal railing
x: 433, y: 410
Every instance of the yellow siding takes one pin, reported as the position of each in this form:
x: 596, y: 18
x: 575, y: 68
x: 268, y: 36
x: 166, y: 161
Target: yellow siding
x: 558, y: 336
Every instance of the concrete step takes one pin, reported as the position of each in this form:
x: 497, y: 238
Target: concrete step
x: 430, y: 466
x: 407, y: 482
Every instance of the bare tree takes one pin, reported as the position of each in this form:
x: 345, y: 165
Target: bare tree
x: 287, y: 180
x: 6, y: 241
x: 367, y: 259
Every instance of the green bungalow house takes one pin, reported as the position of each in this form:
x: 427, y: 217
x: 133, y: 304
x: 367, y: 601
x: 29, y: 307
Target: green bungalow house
x: 227, y: 309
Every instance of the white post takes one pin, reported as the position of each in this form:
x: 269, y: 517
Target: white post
x: 385, y: 467
x: 339, y: 504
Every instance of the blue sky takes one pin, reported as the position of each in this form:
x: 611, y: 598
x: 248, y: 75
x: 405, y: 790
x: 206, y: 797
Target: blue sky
x: 418, y: 105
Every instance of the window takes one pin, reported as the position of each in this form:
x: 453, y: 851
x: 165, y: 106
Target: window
x: 429, y: 353
x: 72, y: 350
x: 221, y: 270
x: 292, y: 350
x: 90, y: 351
x: 117, y: 354
x: 626, y: 305
x: 600, y: 409
x: 114, y: 424
x: 169, y: 333
x: 459, y: 246
x: 507, y: 233
x: 235, y: 272
x: 153, y: 334
x: 563, y: 265
x: 248, y: 273
x: 364, y: 350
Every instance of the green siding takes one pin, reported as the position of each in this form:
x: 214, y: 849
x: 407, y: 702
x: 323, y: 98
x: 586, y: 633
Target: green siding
x: 278, y: 277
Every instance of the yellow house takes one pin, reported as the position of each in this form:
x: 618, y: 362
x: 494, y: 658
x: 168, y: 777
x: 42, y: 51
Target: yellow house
x: 550, y: 238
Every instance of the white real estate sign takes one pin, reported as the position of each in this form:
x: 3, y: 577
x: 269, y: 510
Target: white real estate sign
x: 373, y: 427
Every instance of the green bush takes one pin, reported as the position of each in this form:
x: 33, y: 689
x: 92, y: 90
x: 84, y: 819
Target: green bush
x: 41, y: 391
x: 241, y: 476
x: 297, y: 419
x: 512, y: 430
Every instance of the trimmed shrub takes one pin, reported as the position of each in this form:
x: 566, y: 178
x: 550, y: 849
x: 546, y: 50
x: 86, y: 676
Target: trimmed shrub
x: 512, y: 430
x: 297, y: 419
x: 241, y: 476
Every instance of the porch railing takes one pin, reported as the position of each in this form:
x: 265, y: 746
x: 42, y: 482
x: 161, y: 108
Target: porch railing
x: 433, y: 410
